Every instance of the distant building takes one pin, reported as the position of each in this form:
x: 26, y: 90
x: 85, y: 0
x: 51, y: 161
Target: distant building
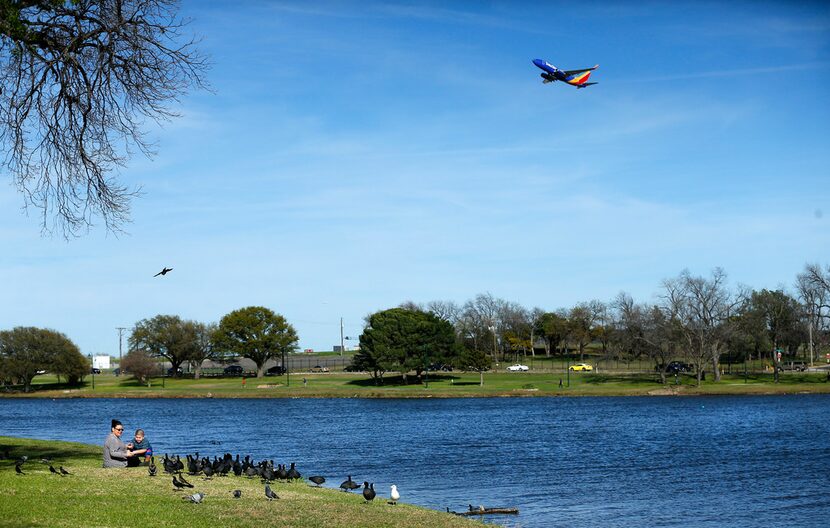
x: 101, y: 362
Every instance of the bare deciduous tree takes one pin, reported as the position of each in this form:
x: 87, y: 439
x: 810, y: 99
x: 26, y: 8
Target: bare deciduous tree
x: 703, y: 308
x: 813, y: 286
x: 77, y: 81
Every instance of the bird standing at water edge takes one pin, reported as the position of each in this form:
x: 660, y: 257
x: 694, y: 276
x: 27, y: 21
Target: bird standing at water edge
x: 349, y: 484
x: 317, y: 480
x: 394, y: 495
x: 368, y: 492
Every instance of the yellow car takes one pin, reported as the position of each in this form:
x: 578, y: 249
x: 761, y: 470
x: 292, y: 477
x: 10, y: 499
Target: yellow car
x: 581, y: 366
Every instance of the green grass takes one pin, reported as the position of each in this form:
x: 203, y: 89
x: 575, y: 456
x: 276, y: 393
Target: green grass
x: 443, y: 385
x: 97, y: 497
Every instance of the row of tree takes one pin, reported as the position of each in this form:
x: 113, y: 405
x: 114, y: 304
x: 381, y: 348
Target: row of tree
x: 700, y: 319
x: 696, y: 318
x: 255, y: 332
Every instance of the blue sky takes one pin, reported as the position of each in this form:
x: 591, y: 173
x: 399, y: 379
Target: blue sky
x: 355, y: 155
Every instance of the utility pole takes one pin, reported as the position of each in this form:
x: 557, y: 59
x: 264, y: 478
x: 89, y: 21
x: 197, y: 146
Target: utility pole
x: 120, y: 334
x: 342, y: 345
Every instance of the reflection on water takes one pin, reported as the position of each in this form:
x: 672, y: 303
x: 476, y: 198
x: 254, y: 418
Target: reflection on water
x: 714, y: 461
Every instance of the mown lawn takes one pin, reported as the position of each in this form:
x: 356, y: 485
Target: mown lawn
x: 96, y: 497
x: 442, y: 385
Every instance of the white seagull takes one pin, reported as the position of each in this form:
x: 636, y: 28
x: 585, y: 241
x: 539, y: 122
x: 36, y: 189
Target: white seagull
x: 394, y: 495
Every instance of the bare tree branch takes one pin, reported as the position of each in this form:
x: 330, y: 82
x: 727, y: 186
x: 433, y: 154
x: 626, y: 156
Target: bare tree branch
x: 78, y: 79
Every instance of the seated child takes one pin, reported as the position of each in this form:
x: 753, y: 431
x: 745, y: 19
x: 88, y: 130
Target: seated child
x: 141, y: 447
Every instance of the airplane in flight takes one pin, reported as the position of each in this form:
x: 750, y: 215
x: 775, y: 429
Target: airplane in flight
x: 576, y: 78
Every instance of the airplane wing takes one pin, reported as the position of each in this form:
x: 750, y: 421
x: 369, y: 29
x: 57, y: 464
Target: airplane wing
x: 574, y: 72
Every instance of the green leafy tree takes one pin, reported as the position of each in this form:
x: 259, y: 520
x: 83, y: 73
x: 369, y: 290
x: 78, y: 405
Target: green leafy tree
x: 27, y: 350
x: 406, y: 340
x: 256, y: 333
x: 68, y: 361
x: 140, y: 365
x: 475, y: 360
x: 77, y: 80
x: 553, y: 328
x: 166, y: 336
x: 203, y: 346
x: 779, y: 315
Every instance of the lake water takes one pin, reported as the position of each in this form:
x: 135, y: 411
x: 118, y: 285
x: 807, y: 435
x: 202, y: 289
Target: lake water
x: 689, y: 461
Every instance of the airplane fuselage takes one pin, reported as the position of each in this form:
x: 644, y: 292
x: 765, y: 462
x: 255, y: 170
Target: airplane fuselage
x: 552, y: 73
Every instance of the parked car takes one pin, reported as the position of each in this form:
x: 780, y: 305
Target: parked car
x: 435, y: 367
x: 675, y: 367
x: 318, y: 368
x: 800, y: 366
x: 171, y: 372
x: 579, y: 367
x: 233, y: 370
x: 518, y: 368
x: 277, y: 370
x: 95, y: 370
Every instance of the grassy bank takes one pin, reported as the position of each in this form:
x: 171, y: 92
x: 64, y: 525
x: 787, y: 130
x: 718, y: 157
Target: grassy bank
x: 443, y: 385
x: 97, y: 497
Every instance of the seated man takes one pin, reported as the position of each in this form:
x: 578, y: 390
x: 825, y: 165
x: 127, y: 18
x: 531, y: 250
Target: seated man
x: 140, y: 447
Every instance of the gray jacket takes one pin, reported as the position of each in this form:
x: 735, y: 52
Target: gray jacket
x: 115, y: 452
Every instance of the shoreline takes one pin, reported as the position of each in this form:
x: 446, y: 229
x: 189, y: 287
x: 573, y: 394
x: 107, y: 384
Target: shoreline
x: 652, y: 393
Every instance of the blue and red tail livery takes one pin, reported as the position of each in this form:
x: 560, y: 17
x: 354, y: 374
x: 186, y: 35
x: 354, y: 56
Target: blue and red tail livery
x: 551, y: 73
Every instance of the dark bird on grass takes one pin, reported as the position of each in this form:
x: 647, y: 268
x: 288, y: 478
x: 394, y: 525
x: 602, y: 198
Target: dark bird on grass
x: 63, y: 471
x: 53, y: 470
x: 196, y: 498
x: 293, y: 473
x: 368, y: 493
x: 250, y: 472
x: 169, y: 464
x: 151, y: 469
x: 317, y: 480
x: 208, y: 471
x: 349, y: 484
x: 269, y: 494
x: 178, y: 484
x: 184, y: 482
x: 179, y: 464
x: 237, y: 494
x: 18, y: 470
x: 164, y: 271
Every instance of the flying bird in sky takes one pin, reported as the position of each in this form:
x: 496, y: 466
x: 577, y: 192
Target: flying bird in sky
x: 163, y: 271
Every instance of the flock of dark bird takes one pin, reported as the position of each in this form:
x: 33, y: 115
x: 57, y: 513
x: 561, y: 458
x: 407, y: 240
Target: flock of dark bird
x: 264, y: 470
x: 18, y: 466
